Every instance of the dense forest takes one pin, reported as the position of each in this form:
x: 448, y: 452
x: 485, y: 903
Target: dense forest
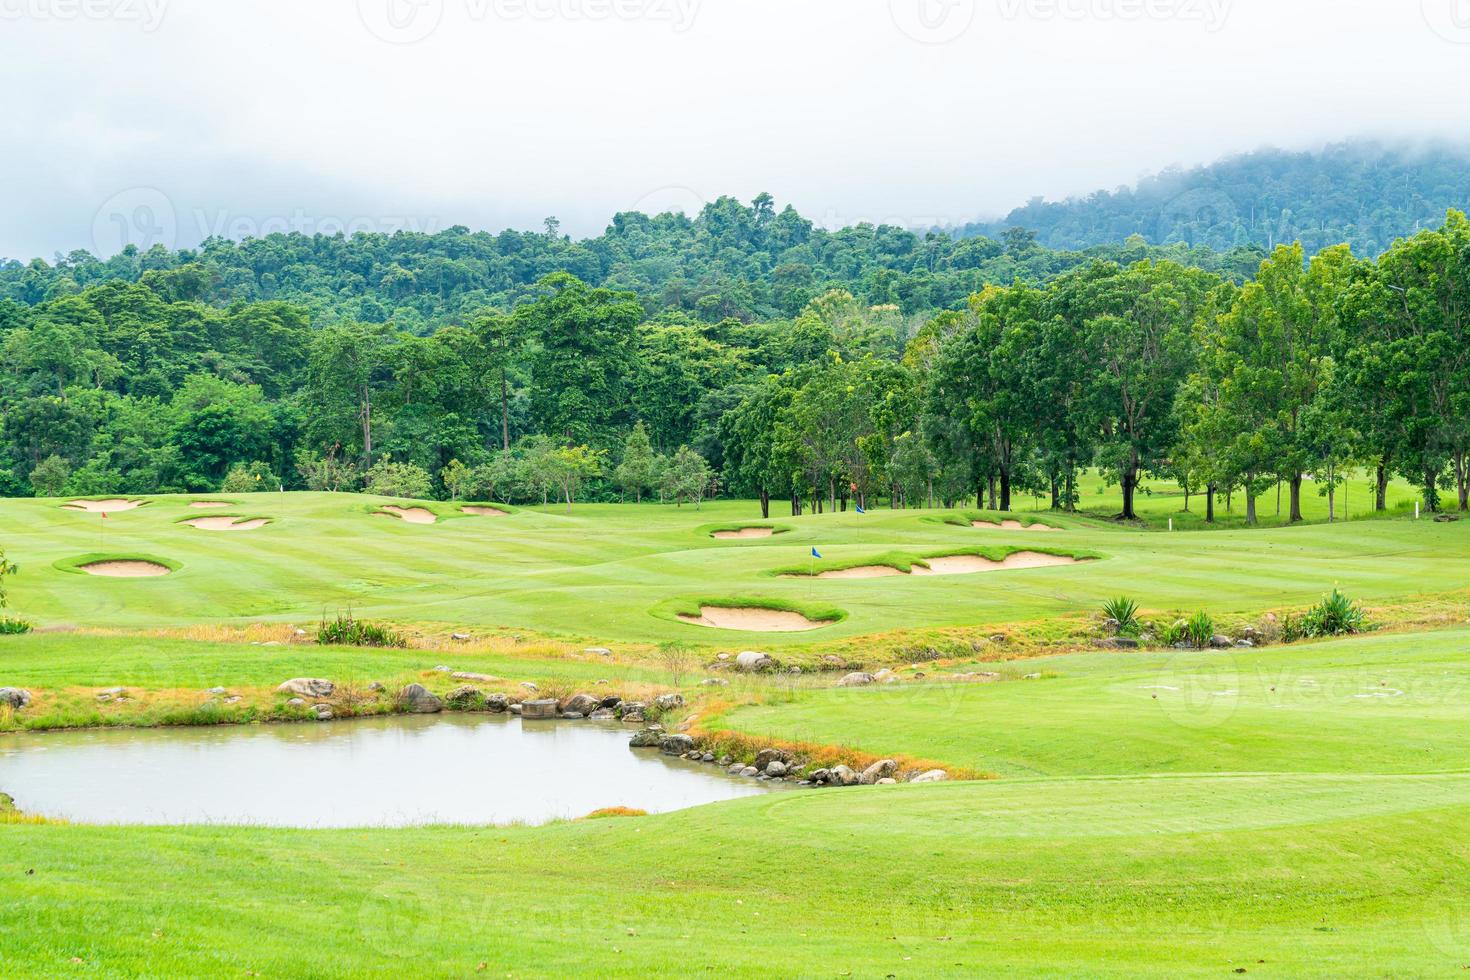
x: 1364, y: 194
x: 183, y: 372
x: 748, y: 262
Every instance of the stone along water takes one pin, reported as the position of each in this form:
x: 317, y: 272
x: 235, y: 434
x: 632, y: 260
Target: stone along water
x: 366, y: 772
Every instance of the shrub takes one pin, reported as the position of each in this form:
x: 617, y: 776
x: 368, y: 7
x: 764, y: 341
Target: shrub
x: 50, y: 476
x: 1124, y: 612
x: 256, y: 476
x: 13, y: 627
x: 1174, y: 633
x: 1335, y: 615
x: 399, y: 480
x: 1199, y: 629
x: 350, y: 632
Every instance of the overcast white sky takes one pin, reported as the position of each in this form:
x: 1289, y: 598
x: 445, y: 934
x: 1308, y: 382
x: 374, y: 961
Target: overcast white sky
x: 168, y: 120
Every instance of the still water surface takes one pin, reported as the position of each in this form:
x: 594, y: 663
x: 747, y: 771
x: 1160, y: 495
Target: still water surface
x: 365, y: 772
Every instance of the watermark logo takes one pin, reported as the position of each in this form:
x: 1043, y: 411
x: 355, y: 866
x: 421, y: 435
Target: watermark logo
x: 401, y: 21
x: 139, y: 216
x: 1450, y: 19
x: 147, y: 14
x: 932, y: 21
x: 1198, y: 691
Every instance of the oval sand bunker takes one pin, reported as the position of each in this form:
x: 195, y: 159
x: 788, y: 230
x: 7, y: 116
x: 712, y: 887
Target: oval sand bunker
x: 969, y: 564
x: 861, y: 571
x: 227, y: 523
x: 752, y: 620
x: 103, y: 506
x: 412, y: 515
x: 744, y: 532
x: 208, y: 504
x: 483, y: 511
x: 1011, y: 526
x: 126, y: 569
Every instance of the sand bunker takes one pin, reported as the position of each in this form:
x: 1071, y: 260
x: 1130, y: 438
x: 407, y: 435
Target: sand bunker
x: 208, y: 504
x: 862, y: 571
x: 103, y: 506
x: 744, y: 532
x: 126, y: 569
x: 413, y: 515
x: 483, y: 511
x: 1011, y: 526
x: 227, y: 523
x: 753, y: 620
x: 969, y: 564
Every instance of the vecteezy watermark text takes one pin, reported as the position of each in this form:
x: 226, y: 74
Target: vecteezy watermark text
x: 1211, y: 13
x: 148, y: 14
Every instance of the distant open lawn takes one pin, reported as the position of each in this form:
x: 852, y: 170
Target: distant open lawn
x: 1318, y: 829
x: 603, y: 572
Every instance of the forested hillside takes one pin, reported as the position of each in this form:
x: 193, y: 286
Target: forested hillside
x: 1364, y: 194
x: 751, y: 262
x: 1143, y: 366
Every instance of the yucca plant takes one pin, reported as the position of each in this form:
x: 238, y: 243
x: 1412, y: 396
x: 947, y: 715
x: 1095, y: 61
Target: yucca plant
x: 1335, y: 615
x: 1123, y: 611
x: 1173, y: 634
x: 1199, y: 629
x: 347, y: 631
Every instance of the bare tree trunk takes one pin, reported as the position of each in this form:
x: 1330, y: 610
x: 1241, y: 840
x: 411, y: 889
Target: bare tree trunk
x: 765, y: 503
x: 1209, y: 503
x: 1380, y: 499
x: 1296, y: 498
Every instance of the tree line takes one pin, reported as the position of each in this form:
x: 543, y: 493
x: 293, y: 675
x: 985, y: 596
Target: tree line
x: 1310, y: 367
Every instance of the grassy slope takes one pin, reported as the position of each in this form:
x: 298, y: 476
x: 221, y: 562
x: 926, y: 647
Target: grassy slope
x: 1317, y: 707
x: 1315, y: 876
x: 599, y: 572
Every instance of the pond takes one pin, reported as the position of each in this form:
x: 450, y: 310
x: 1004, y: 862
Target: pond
x: 367, y: 772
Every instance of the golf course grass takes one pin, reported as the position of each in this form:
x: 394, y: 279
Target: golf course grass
x: 1286, y: 810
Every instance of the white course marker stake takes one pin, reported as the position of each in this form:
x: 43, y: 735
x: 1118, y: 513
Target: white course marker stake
x: 1416, y: 510
x: 1171, y: 523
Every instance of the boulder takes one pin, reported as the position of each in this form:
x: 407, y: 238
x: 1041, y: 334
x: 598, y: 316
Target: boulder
x: 765, y: 757
x: 216, y: 691
x: 885, y: 676
x: 714, y: 682
x: 530, y: 686
x: 376, y: 686
x: 443, y: 669
x: 14, y: 697
x: 610, y: 700
x: 323, y: 712
x: 932, y: 776
x: 459, y: 637
x: 469, y: 675
x: 856, y: 679
x: 676, y: 744
x: 497, y: 703
x: 750, y: 660
x: 842, y: 776
x: 630, y: 710
x: 515, y: 709
x: 668, y: 702
x: 308, y: 687
x: 573, y: 715
x: 832, y: 660
x: 540, y: 709
x: 735, y: 768
x: 417, y: 699
x: 750, y: 771
x: 1118, y: 643
x: 295, y: 703
x: 819, y: 776
x: 775, y: 768
x: 887, y: 781
x: 1218, y: 642
x: 464, y: 698
x: 882, y: 769
x: 598, y: 651
x: 603, y: 714
x: 582, y: 704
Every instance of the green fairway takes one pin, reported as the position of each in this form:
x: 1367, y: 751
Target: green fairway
x: 604, y: 572
x: 1290, y: 810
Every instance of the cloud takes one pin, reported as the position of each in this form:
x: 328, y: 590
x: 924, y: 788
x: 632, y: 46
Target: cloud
x: 494, y: 113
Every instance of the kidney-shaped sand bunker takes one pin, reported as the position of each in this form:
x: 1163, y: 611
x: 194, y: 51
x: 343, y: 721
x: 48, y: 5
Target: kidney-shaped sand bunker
x: 125, y: 568
x: 753, y: 620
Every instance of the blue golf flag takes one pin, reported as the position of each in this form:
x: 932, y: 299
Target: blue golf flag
x: 816, y: 553
x: 859, y: 509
